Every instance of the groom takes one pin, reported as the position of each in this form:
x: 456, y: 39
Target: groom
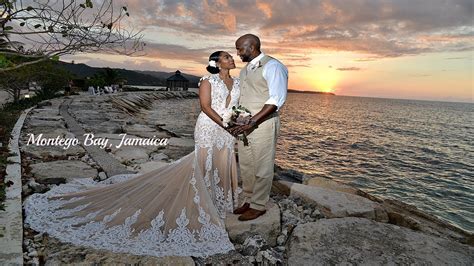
x: 263, y: 88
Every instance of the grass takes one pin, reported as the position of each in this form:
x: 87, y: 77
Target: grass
x: 9, y: 114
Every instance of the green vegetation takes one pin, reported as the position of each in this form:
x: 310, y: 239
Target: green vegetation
x: 51, y: 81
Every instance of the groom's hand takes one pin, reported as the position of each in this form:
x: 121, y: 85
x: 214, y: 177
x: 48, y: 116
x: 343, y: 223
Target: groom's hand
x: 240, y: 129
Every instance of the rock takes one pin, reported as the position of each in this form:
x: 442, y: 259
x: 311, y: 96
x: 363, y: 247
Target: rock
x: 316, y: 214
x: 159, y: 157
x: 290, y: 175
x: 362, y: 241
x: 45, y: 123
x: 38, y: 237
x: 259, y: 258
x: 26, y: 242
x: 57, y: 172
x: 52, y: 151
x: 85, y: 158
x: 272, y: 257
x: 252, y: 245
x: 26, y: 189
x: 102, y: 176
x: 44, y: 112
x: 181, y: 142
x: 335, y: 204
x: 288, y: 218
x: 104, y: 127
x: 330, y: 184
x: 47, y: 133
x: 131, y: 154
x: 144, y: 131
x: 110, y: 258
x: 46, y: 117
x: 35, y: 261
x: 37, y: 187
x: 33, y: 254
x: 281, y: 240
x: 267, y: 225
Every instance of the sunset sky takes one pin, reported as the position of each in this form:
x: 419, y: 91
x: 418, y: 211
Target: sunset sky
x: 412, y: 49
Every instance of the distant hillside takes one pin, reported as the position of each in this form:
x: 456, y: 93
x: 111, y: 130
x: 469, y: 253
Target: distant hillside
x: 133, y: 77
x: 164, y: 75
x: 312, y: 92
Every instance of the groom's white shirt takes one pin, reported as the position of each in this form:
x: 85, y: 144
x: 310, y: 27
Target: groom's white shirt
x: 276, y: 75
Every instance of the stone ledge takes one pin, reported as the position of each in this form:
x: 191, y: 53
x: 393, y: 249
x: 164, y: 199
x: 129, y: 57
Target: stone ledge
x: 362, y: 241
x: 334, y: 204
x: 11, y: 220
x: 267, y: 225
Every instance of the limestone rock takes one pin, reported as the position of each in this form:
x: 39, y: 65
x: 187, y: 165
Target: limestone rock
x: 45, y: 123
x: 338, y: 204
x: 159, y: 156
x: 330, y: 184
x: 36, y: 187
x: 360, y: 241
x: 267, y: 225
x: 132, y: 154
x: 52, y: 151
x: 181, y: 142
x: 104, y: 127
x: 144, y: 131
x: 56, y: 172
x: 252, y: 245
x: 102, y: 176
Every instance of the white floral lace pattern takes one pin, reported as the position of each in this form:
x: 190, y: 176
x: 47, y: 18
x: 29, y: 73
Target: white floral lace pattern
x: 44, y: 215
x: 208, y: 134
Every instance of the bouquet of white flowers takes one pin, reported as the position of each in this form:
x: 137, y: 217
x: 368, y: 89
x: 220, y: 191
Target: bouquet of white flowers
x: 235, y: 117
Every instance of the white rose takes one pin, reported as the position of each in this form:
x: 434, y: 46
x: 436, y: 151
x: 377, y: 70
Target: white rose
x: 244, y: 114
x: 227, y: 116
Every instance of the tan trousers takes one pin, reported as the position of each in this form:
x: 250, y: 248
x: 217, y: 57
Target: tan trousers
x: 257, y: 163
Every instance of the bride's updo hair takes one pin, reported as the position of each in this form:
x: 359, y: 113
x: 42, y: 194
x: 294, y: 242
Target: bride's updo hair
x: 214, y: 57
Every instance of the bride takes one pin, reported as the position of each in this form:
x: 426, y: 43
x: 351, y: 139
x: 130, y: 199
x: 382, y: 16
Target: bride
x: 177, y: 210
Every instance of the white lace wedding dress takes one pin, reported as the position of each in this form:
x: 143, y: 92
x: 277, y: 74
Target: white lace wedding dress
x: 177, y: 210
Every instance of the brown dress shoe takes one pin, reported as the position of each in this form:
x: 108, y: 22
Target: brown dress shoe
x: 242, y: 208
x: 251, y: 214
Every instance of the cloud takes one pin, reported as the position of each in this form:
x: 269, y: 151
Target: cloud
x: 377, y: 28
x: 101, y: 60
x: 349, y: 69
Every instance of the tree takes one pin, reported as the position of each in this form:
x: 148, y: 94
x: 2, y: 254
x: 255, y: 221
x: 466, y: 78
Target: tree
x: 46, y: 75
x: 38, y: 30
x: 110, y: 76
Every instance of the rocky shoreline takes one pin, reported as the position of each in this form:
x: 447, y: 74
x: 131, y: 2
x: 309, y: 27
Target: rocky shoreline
x: 316, y: 221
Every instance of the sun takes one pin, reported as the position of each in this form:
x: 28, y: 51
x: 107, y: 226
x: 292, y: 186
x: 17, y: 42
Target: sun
x: 324, y: 80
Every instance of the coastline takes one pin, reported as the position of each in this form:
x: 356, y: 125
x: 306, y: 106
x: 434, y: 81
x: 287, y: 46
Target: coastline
x: 145, y: 114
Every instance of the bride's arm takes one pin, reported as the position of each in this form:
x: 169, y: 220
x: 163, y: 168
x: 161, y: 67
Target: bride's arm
x: 205, y: 101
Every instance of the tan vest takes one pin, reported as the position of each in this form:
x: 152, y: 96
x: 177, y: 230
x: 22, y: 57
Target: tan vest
x: 253, y: 87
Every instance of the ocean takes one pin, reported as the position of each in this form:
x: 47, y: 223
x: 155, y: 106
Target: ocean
x: 418, y: 152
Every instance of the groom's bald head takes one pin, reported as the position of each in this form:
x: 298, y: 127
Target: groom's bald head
x: 250, y: 39
x: 248, y: 47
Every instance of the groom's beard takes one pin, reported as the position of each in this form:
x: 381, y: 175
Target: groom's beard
x: 245, y: 58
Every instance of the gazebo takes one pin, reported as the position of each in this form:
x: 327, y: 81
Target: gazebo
x: 177, y: 82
